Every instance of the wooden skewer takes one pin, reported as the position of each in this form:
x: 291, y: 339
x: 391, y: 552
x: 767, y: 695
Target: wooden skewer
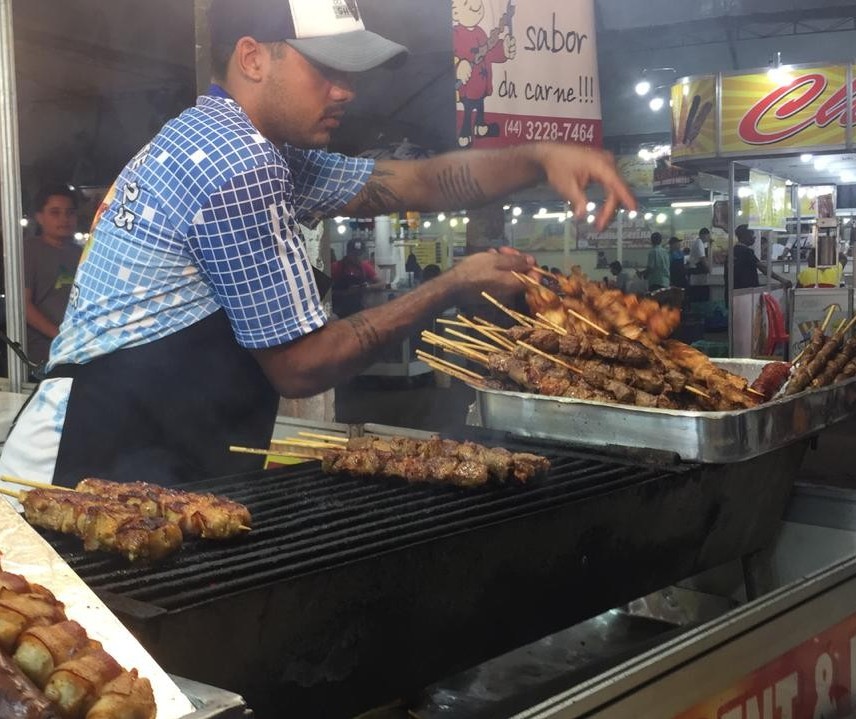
x: 300, y: 453
x: 516, y: 316
x: 526, y: 279
x: 32, y: 483
x: 552, y: 358
x: 847, y: 327
x: 490, y: 334
x: 327, y: 437
x: 444, y: 369
x: 491, y: 325
x: 297, y: 442
x: 755, y: 392
x: 828, y: 318
x: 556, y: 328
x: 472, y: 340
x: 586, y: 320
x: 543, y: 273
x: 452, y: 323
x: 11, y: 493
x: 454, y: 347
x: 696, y: 391
x: 456, y: 371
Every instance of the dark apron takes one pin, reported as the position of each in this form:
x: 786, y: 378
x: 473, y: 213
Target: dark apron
x: 167, y: 411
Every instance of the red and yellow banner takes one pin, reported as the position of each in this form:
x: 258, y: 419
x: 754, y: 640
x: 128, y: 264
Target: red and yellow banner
x: 761, y: 113
x: 815, y: 679
x: 804, y: 108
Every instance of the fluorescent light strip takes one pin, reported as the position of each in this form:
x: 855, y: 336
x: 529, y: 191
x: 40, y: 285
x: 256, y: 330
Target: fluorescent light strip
x: 698, y: 203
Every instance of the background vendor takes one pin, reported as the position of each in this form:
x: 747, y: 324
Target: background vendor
x: 353, y: 276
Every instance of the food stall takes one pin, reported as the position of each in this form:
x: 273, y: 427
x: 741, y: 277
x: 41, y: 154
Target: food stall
x: 734, y: 125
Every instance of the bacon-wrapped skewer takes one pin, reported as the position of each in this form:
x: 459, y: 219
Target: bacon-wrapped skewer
x: 101, y: 523
x: 75, y: 685
x: 128, y: 696
x: 42, y: 648
x: 21, y: 610
x: 198, y: 515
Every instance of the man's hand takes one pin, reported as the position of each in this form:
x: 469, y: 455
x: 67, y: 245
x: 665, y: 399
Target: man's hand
x: 489, y: 272
x: 463, y: 72
x: 572, y: 168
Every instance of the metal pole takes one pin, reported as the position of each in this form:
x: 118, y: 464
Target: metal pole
x: 10, y: 197
x: 619, y: 237
x: 729, y: 258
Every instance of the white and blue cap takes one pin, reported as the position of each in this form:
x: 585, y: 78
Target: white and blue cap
x: 329, y: 32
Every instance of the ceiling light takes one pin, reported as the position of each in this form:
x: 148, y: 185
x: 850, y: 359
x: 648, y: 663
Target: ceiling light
x: 648, y: 215
x: 441, y: 217
x: 643, y: 87
x: 661, y: 218
x: 453, y: 222
x: 506, y: 207
x: 740, y: 213
x: 806, y: 157
x: 341, y: 229
x: 24, y: 222
x: 514, y: 220
x: 542, y: 211
x: 590, y: 206
x: 426, y: 224
x: 550, y: 216
x: 632, y: 214
x: 78, y: 236
x: 656, y: 104
x: 590, y: 219
x: 678, y: 210
x: 466, y: 220
x: 517, y: 211
x: 692, y: 203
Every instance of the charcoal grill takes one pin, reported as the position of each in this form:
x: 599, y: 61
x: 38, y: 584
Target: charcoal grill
x: 349, y: 593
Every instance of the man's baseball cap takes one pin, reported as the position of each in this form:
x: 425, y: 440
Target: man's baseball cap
x: 329, y: 32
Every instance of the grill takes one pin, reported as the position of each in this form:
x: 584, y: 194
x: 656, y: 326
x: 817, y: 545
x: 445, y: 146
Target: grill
x: 349, y: 593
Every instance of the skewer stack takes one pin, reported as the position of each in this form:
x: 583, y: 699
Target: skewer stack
x: 574, y: 356
x: 435, y: 460
x: 50, y: 668
x: 827, y: 359
x: 140, y: 520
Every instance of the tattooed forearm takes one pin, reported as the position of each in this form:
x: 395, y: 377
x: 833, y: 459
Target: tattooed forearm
x: 365, y: 332
x: 377, y: 197
x: 460, y: 188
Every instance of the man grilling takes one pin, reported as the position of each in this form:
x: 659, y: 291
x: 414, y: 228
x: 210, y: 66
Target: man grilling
x: 195, y: 307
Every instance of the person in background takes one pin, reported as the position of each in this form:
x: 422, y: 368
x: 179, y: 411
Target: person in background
x: 746, y: 262
x: 621, y: 277
x: 814, y: 276
x: 430, y: 272
x: 50, y: 261
x: 657, y: 266
x: 698, y: 262
x: 677, y: 263
x: 196, y: 307
x: 353, y: 276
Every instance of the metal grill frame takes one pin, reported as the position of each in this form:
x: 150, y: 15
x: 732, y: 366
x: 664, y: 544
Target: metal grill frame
x: 378, y: 620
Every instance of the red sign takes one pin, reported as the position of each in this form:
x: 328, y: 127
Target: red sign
x: 814, y: 680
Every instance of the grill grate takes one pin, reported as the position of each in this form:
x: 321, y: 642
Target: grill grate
x: 306, y: 521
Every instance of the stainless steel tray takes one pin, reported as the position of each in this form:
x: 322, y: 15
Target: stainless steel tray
x: 712, y: 437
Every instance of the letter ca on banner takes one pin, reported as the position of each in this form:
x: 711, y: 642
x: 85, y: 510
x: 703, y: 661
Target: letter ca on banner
x: 809, y: 109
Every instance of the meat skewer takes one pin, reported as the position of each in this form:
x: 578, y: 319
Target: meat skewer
x: 464, y: 464
x: 75, y: 685
x: 101, y: 523
x: 197, y: 515
x: 19, y: 697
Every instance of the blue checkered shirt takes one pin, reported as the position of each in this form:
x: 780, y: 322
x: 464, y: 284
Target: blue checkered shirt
x: 205, y: 217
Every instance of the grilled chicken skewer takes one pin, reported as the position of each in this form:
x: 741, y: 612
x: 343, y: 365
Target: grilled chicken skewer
x: 198, y: 515
x: 101, y: 523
